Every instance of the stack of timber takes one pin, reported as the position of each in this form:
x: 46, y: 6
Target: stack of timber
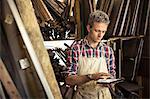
x: 128, y: 18
x: 60, y: 24
x: 13, y: 50
x: 28, y: 31
x: 58, y: 20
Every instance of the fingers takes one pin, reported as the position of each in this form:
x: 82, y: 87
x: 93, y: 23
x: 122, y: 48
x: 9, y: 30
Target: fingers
x: 104, y: 74
x: 101, y: 75
x: 105, y: 85
x: 105, y: 77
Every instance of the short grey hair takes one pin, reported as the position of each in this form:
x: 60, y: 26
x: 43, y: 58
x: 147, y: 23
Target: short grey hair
x: 98, y: 16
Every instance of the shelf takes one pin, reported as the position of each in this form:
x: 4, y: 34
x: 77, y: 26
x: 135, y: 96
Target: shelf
x: 125, y: 38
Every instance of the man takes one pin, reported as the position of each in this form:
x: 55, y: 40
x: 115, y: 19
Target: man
x: 89, y: 60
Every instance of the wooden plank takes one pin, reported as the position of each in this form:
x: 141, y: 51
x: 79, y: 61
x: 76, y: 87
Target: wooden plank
x: 106, y: 5
x: 13, y: 50
x: 100, y: 4
x: 85, y: 11
x: 71, y: 7
x: 147, y: 15
x: 55, y: 6
x: 133, y: 8
x: 140, y: 17
x: 137, y: 59
x: 113, y: 17
x: 110, y: 7
x: 127, y: 22
x: 62, y: 5
x: 39, y: 54
x: 117, y: 21
x: 77, y: 17
x: 2, y: 94
x: 41, y: 7
x: 94, y: 5
x: 7, y: 82
x: 90, y: 5
x: 139, y: 81
x: 135, y: 17
x: 124, y: 17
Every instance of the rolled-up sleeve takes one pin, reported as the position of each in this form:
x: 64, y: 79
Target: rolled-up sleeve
x: 111, y: 63
x: 72, y: 61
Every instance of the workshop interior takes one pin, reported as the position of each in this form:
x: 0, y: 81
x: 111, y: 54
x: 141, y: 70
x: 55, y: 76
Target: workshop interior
x: 35, y: 35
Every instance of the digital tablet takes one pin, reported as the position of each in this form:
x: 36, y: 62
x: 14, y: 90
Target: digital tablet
x: 108, y: 81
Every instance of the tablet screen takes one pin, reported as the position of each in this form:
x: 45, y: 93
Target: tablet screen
x: 107, y: 81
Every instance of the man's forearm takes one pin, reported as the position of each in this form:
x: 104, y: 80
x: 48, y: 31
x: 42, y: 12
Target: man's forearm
x: 77, y: 80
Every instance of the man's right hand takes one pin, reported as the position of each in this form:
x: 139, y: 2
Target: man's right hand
x: 100, y: 75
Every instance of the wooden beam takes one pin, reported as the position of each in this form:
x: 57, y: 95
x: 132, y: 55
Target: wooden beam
x: 136, y: 10
x: 90, y: 5
x: 55, y: 6
x: 77, y: 17
x: 71, y: 7
x: 94, y: 5
x: 29, y: 19
x: 101, y: 4
x: 119, y: 15
x: 140, y: 18
x: 106, y: 5
x: 127, y: 22
x: 2, y: 94
x: 41, y: 7
x: 113, y: 17
x: 147, y: 17
x: 124, y: 17
x: 14, y: 50
x: 8, y: 83
x: 110, y: 7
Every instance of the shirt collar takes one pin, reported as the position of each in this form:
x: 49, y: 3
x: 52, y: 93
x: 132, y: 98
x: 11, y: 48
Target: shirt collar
x: 86, y: 42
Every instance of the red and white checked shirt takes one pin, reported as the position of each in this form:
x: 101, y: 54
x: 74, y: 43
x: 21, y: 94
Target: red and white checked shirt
x: 82, y: 47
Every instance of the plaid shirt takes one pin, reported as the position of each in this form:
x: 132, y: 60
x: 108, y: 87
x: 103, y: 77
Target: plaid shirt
x: 82, y: 47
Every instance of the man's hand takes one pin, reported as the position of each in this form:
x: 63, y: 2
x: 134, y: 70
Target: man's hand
x: 100, y: 75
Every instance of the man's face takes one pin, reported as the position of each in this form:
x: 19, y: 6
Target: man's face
x: 97, y: 32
